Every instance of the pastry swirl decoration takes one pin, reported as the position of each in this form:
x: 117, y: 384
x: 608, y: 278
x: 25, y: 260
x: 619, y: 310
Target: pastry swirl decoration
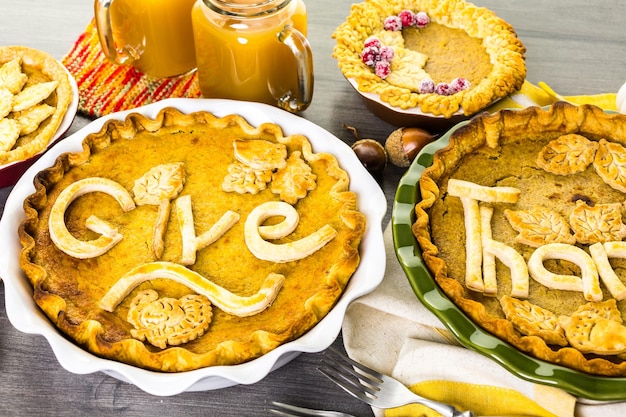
x: 225, y: 300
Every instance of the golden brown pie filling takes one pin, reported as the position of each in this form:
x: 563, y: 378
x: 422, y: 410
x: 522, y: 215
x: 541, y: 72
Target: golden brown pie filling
x: 444, y: 47
x: 441, y: 56
x: 521, y: 224
x: 189, y: 240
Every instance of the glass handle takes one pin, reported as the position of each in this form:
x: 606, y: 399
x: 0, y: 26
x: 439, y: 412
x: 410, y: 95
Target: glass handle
x: 126, y: 54
x: 301, y: 49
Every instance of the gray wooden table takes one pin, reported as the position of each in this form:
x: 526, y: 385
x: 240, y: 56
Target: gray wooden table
x: 573, y: 46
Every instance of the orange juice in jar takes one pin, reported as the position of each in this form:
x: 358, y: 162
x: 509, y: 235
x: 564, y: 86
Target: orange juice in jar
x: 154, y: 36
x: 254, y: 50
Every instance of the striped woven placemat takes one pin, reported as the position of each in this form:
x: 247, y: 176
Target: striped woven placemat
x: 105, y: 87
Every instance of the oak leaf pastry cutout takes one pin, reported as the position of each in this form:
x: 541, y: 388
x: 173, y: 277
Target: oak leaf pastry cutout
x: 393, y: 39
x: 6, y: 103
x: 539, y: 226
x: 11, y: 76
x: 168, y: 321
x: 596, y: 328
x: 610, y: 164
x: 533, y: 320
x: 568, y: 154
x: 600, y: 223
x: 9, y: 134
x: 295, y: 180
x: 244, y: 179
x: 408, y: 69
x: 260, y: 154
x: 33, y: 95
x: 29, y: 119
x: 158, y: 187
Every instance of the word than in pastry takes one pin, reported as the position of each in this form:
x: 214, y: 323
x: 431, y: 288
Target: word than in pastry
x: 482, y: 250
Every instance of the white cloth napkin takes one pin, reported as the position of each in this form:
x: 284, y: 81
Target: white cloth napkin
x: 392, y: 332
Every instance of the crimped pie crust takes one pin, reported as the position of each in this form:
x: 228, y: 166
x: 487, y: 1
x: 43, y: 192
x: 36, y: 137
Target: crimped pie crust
x: 499, y: 40
x: 70, y: 290
x: 500, y: 150
x: 40, y: 67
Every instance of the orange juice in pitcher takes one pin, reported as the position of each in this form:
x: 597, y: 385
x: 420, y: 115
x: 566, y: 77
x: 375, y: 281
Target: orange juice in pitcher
x: 254, y: 50
x: 154, y: 36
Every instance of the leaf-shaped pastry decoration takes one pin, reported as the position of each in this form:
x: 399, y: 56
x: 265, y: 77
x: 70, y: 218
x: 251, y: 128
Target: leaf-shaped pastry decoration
x: 244, y: 179
x: 533, y: 320
x: 33, y: 95
x: 159, y: 186
x: 539, y: 226
x: 11, y: 76
x: 391, y: 38
x: 9, y: 133
x: 600, y: 223
x: 408, y: 69
x: 295, y: 180
x: 168, y: 321
x: 610, y: 164
x: 260, y: 154
x: 567, y: 154
x: 596, y: 328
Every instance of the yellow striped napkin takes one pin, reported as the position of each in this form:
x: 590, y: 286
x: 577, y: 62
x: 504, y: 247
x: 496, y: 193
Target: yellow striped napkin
x: 391, y: 331
x: 542, y: 95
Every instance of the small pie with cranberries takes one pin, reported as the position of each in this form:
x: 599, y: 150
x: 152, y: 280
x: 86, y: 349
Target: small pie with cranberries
x: 521, y: 223
x: 35, y: 93
x: 189, y: 240
x: 445, y: 57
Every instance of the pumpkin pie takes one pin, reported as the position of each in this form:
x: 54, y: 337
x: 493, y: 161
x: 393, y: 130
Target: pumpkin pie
x: 189, y: 240
x: 35, y: 93
x: 521, y: 225
x: 445, y: 57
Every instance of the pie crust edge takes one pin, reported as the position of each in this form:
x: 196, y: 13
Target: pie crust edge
x: 506, y: 51
x: 53, y: 69
x: 176, y: 359
x: 486, y: 129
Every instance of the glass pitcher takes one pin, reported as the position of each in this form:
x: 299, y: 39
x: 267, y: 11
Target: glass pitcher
x: 155, y: 37
x: 254, y: 50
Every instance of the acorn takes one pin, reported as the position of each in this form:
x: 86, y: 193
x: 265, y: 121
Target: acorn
x: 371, y: 154
x: 404, y: 144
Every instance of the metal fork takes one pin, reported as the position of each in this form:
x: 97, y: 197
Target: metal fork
x: 376, y: 389
x: 287, y: 410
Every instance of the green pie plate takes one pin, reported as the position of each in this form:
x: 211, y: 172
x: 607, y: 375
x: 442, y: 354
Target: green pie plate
x: 582, y: 385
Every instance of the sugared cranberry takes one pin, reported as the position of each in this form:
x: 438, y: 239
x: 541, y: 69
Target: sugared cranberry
x: 407, y: 18
x: 393, y: 23
x: 372, y: 41
x: 386, y: 53
x: 382, y: 69
x: 426, y: 86
x: 459, y: 84
x: 370, y: 55
x: 421, y: 19
x: 444, y: 89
